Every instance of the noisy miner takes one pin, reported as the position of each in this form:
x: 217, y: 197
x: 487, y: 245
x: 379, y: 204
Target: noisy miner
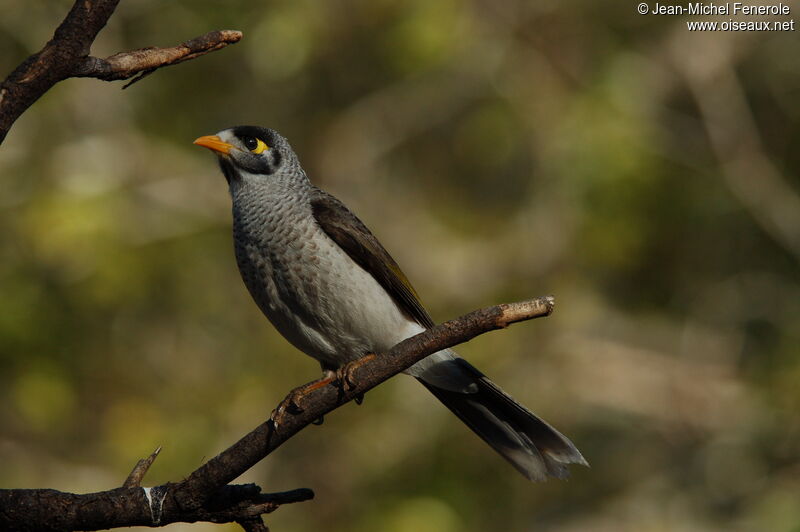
x: 331, y: 289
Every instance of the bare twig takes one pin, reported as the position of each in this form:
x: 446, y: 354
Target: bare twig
x: 205, y: 495
x: 140, y: 470
x: 255, y: 524
x: 256, y: 445
x: 43, y: 510
x: 66, y: 55
x: 125, y: 65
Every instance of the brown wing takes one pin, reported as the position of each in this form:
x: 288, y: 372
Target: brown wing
x: 355, y: 239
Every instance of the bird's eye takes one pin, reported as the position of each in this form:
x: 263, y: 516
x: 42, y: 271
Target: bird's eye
x: 254, y: 145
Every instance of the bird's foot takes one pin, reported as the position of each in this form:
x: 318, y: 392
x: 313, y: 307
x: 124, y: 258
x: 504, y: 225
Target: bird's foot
x: 291, y: 404
x: 345, y: 374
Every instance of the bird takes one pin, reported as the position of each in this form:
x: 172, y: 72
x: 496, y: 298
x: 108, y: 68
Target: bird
x: 332, y: 290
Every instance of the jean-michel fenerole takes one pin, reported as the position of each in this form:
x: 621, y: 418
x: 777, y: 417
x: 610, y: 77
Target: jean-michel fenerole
x: 728, y: 8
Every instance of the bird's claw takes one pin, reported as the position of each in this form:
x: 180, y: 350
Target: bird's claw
x: 345, y: 374
x: 288, y: 406
x: 291, y: 404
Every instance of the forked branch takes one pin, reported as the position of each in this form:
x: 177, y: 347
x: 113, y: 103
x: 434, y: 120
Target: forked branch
x: 206, y: 495
x: 66, y: 55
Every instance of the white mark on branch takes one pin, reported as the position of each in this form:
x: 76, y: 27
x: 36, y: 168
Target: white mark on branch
x: 149, y: 500
x: 155, y: 499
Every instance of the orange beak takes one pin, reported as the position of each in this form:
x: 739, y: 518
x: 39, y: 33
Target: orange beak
x: 214, y: 143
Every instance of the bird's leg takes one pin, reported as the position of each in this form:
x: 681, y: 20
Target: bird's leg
x: 342, y: 376
x: 345, y: 374
x: 291, y: 404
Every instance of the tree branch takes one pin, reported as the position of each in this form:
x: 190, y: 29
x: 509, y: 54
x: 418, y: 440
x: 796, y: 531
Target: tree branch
x: 44, y: 510
x: 125, y: 65
x: 66, y: 55
x: 205, y: 495
x: 140, y: 470
x: 317, y: 402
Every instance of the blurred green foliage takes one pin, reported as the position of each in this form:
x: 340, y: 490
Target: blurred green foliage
x: 644, y: 175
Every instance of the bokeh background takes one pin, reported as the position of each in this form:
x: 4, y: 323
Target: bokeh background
x: 644, y: 175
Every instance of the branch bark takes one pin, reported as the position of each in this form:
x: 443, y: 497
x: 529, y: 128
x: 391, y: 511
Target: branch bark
x: 66, y: 55
x: 205, y: 494
x: 44, y: 510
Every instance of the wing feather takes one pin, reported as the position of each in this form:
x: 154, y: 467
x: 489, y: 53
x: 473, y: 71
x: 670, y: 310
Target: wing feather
x: 350, y: 233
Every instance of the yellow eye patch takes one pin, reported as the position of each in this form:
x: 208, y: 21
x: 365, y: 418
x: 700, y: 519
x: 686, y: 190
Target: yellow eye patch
x: 260, y: 146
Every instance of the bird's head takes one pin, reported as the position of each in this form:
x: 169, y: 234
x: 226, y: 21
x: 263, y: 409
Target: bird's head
x: 250, y: 151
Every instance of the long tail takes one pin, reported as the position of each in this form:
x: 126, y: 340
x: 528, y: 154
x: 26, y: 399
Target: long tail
x: 533, y: 447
